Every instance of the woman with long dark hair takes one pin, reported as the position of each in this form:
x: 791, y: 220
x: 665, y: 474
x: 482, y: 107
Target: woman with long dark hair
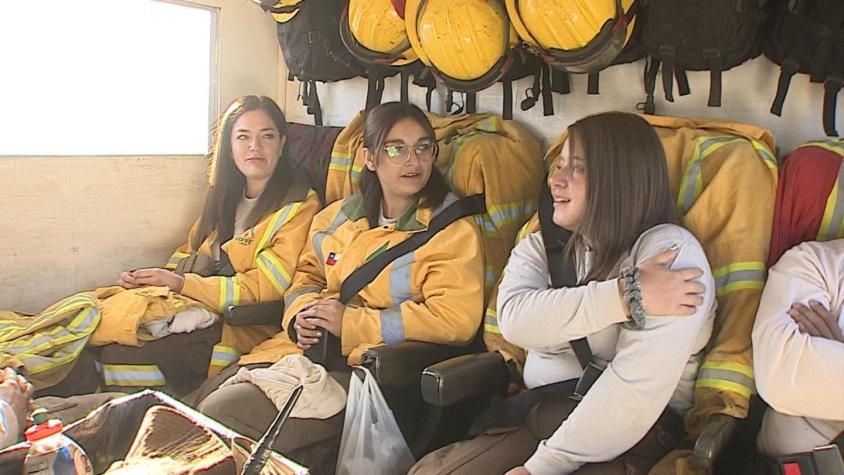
x: 634, y: 263
x: 433, y: 294
x: 243, y: 249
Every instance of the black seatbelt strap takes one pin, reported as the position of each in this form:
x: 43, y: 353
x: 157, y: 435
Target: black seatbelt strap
x: 564, y: 274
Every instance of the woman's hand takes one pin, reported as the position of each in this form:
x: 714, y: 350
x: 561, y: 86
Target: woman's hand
x: 667, y: 291
x: 307, y: 334
x: 518, y: 471
x: 17, y: 392
x: 127, y: 281
x: 326, y: 314
x: 816, y: 320
x: 160, y: 277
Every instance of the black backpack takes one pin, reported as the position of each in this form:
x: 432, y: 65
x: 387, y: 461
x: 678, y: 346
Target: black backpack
x: 697, y: 35
x: 807, y: 36
x: 309, y: 38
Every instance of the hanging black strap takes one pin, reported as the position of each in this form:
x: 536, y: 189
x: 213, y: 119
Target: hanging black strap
x: 471, y: 102
x: 311, y: 99
x: 428, y: 95
x: 561, y: 269
x: 831, y: 87
x: 374, y: 89
x: 594, y: 83
x: 668, y: 55
x: 507, y: 99
x: 405, y: 85
x: 787, y: 71
x: 713, y: 58
x: 682, y: 81
x: 366, y: 273
x: 547, y: 99
x: 651, y: 70
x: 533, y: 92
x: 559, y: 80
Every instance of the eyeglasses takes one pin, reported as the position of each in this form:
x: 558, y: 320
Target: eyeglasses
x: 398, y: 153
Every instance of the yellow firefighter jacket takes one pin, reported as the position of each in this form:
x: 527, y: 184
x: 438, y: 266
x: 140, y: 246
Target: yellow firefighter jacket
x: 724, y: 176
x: 478, y: 153
x: 44, y: 347
x: 434, y: 294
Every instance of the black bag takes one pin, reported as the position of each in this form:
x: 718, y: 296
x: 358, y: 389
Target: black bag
x: 309, y: 36
x: 697, y: 35
x: 807, y: 36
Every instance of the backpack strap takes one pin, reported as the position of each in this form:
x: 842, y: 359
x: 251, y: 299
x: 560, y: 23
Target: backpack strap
x: 374, y: 88
x: 561, y: 269
x: 651, y: 71
x: 471, y: 102
x: 507, y: 99
x: 789, y: 68
x: 547, y: 100
x: 668, y: 54
x: 594, y: 83
x: 365, y: 274
x: 559, y: 80
x: 830, y: 98
x: 310, y: 99
x: 713, y: 58
x: 404, y: 94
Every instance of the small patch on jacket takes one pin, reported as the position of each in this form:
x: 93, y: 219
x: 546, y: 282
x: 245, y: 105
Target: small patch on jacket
x: 246, y: 237
x: 332, y: 259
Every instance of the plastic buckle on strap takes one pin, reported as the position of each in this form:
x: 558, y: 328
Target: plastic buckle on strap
x: 591, y: 373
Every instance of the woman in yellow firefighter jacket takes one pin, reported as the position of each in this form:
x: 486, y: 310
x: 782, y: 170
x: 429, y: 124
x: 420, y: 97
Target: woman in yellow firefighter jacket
x: 243, y: 249
x: 434, y: 294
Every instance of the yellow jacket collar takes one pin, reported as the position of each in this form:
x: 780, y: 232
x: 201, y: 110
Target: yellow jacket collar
x: 412, y: 220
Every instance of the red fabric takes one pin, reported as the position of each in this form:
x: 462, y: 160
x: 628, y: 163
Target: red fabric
x: 398, y: 5
x: 806, y: 180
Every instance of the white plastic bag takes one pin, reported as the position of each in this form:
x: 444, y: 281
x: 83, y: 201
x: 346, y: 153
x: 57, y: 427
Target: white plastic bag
x: 372, y: 441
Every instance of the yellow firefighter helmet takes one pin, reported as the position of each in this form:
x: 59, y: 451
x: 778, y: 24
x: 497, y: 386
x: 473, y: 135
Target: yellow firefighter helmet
x: 576, y: 35
x: 468, y: 43
x: 374, y: 31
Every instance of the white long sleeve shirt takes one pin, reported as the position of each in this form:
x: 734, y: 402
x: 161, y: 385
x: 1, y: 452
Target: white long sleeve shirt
x: 9, y: 428
x: 798, y: 374
x: 646, y: 369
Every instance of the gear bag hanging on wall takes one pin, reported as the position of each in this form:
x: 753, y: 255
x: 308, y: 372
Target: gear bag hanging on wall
x: 309, y: 36
x: 697, y: 35
x: 807, y: 36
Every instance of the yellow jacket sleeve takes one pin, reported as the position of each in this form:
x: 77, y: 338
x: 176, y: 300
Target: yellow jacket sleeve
x: 182, y: 251
x: 449, y: 312
x: 267, y: 274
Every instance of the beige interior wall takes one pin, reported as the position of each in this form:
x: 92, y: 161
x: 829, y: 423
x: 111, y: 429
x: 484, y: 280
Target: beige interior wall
x: 747, y: 94
x: 73, y: 223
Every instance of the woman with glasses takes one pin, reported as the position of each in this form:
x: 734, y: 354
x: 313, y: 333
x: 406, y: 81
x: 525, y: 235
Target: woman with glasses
x: 434, y: 294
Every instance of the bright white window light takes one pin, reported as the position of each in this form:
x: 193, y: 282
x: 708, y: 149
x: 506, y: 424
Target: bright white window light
x: 104, y: 77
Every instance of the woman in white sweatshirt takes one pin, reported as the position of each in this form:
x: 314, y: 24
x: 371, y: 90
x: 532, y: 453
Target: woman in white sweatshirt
x: 610, y: 189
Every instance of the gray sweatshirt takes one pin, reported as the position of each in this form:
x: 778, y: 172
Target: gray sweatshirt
x: 646, y: 369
